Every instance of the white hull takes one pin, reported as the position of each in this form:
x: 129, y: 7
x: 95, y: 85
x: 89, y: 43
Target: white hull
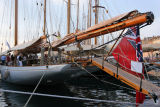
x: 53, y: 74
x: 31, y: 74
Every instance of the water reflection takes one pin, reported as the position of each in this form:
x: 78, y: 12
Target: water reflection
x: 97, y: 90
x: 86, y: 87
x: 18, y: 100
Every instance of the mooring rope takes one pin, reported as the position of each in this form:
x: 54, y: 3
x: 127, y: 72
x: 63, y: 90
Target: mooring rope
x: 103, y: 81
x: 35, y: 89
x: 66, y: 97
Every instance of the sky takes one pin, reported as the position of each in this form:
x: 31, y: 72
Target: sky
x: 143, y: 6
x: 31, y: 17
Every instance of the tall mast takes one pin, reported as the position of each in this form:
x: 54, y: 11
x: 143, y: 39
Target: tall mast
x: 68, y: 16
x: 96, y: 11
x: 77, y: 15
x: 103, y: 35
x: 44, y: 29
x: 96, y: 16
x: 89, y: 17
x: 90, y: 12
x: 16, y: 24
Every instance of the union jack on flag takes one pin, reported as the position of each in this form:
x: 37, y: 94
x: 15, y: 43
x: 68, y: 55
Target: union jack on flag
x: 133, y: 36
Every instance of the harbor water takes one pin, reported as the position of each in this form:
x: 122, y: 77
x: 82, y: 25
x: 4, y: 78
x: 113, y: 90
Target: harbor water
x: 82, y: 87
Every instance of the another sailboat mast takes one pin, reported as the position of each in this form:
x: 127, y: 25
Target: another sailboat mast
x: 96, y: 11
x: 16, y: 24
x: 77, y: 15
x: 68, y: 16
x: 90, y: 12
x: 89, y: 17
x: 96, y: 16
x: 44, y: 29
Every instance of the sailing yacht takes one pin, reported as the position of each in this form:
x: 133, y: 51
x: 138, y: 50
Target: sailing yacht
x: 30, y: 75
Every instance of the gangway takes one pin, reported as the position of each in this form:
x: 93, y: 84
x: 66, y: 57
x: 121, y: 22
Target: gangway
x: 135, y: 82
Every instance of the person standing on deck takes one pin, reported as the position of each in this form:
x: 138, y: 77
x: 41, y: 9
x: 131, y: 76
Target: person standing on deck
x: 8, y: 60
x: 12, y: 59
x: 24, y: 60
x: 3, y: 59
x: 19, y: 60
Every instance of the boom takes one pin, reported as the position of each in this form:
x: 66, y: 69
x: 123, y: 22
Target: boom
x: 115, y: 24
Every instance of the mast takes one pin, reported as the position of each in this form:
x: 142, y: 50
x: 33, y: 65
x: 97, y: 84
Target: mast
x: 103, y: 35
x: 77, y: 16
x: 89, y: 18
x: 44, y: 29
x: 68, y: 16
x: 44, y: 34
x: 90, y: 12
x: 96, y: 17
x: 16, y: 24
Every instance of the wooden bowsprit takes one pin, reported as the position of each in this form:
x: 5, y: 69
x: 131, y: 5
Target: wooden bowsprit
x: 137, y: 83
x: 117, y: 23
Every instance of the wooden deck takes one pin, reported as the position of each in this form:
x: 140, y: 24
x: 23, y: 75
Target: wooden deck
x: 147, y: 87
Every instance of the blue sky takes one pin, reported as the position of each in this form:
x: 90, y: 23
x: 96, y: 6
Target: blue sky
x: 31, y: 16
x: 121, y: 6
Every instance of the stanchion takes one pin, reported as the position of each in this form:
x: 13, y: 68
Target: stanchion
x: 103, y: 61
x: 117, y: 65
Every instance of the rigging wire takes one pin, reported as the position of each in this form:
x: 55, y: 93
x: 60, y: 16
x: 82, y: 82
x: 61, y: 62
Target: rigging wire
x: 6, y: 27
x: 73, y: 24
x: 117, y: 38
x: 32, y: 24
x: 127, y: 59
x: 124, y: 67
x: 39, y: 19
x: 10, y: 26
x: 61, y: 17
x: 103, y: 81
x: 124, y: 57
x: 110, y: 16
x: 26, y: 26
x: 50, y: 16
x: 2, y: 25
x: 141, y: 57
x: 61, y: 21
x: 55, y: 18
x: 24, y: 20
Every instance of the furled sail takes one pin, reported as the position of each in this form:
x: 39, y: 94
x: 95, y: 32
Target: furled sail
x: 33, y: 46
x: 115, y: 24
